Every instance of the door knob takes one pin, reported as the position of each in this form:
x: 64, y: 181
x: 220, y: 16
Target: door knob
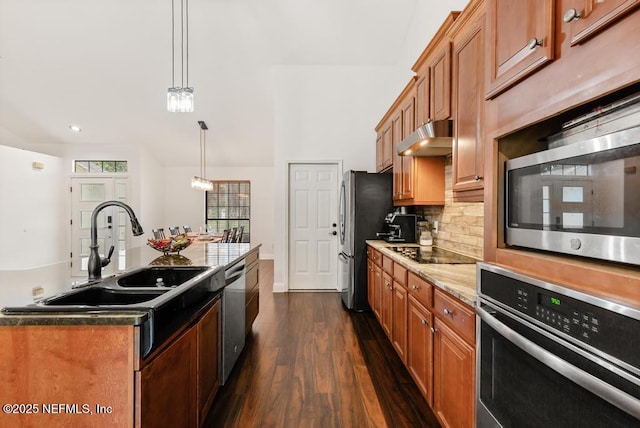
x: 334, y: 233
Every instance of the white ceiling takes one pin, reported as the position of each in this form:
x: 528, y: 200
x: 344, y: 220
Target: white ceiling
x: 106, y: 66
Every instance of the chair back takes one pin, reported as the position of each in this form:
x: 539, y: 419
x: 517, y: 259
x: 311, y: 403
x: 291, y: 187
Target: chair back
x: 174, y: 230
x: 158, y: 233
x: 239, y: 234
x: 225, y: 235
x: 232, y: 235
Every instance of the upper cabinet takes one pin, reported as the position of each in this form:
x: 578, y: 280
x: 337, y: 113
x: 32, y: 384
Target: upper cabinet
x: 588, y: 17
x: 384, y: 146
x: 468, y: 101
x: 525, y: 35
x: 520, y: 40
x: 433, y: 76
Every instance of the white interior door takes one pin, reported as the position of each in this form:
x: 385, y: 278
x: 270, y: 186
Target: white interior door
x: 313, y: 240
x: 112, y: 222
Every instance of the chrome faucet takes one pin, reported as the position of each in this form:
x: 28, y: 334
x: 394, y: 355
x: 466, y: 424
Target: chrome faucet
x: 96, y: 263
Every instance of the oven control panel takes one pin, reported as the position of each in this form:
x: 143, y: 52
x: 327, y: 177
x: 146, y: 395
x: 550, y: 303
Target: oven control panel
x: 600, y: 324
x: 555, y: 310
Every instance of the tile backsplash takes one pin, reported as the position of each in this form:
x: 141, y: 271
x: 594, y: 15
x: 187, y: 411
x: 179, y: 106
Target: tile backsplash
x: 460, y: 224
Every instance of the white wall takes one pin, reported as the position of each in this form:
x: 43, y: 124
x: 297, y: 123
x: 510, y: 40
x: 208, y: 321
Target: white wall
x: 326, y: 113
x: 34, y: 210
x: 184, y: 205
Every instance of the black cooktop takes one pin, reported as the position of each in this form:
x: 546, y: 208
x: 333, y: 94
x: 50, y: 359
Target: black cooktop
x: 433, y: 255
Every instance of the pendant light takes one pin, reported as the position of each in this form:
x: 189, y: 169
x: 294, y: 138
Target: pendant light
x: 201, y: 183
x: 180, y: 98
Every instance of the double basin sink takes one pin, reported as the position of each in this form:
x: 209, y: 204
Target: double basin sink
x: 169, y: 296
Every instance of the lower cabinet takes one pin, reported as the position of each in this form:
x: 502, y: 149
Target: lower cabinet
x: 453, y: 378
x: 420, y: 347
x: 433, y: 333
x: 208, y: 337
x: 168, y: 387
x: 399, y: 324
x: 386, y: 315
x: 177, y: 387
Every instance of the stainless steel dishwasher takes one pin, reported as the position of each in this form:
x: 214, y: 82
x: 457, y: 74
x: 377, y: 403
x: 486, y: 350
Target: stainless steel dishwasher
x: 233, y: 317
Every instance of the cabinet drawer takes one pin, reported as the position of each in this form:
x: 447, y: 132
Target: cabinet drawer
x: 375, y: 256
x: 400, y: 273
x: 251, y: 258
x: 420, y: 289
x: 456, y: 314
x: 387, y: 264
x: 252, y: 277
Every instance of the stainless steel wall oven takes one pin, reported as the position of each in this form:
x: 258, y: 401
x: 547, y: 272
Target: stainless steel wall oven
x: 548, y: 356
x: 581, y: 196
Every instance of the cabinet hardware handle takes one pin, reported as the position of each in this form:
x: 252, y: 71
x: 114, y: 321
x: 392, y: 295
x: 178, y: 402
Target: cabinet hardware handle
x: 425, y: 322
x: 477, y: 177
x: 448, y: 312
x: 571, y: 15
x: 533, y: 43
x: 415, y: 287
x: 433, y: 330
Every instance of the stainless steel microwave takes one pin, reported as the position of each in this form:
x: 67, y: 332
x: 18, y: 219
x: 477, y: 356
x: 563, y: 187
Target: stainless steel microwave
x: 582, y: 195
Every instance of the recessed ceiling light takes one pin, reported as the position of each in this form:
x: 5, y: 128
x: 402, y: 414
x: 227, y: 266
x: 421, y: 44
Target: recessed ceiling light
x: 75, y: 128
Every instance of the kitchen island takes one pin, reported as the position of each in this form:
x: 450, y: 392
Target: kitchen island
x: 88, y: 368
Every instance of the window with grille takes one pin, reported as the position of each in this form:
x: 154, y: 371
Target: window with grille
x: 228, y: 206
x: 100, y: 166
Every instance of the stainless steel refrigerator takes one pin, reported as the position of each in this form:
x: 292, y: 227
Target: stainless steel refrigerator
x: 365, y: 200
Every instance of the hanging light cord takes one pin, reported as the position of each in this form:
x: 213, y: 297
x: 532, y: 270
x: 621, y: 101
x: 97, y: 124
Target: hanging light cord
x: 187, y: 46
x: 173, y: 46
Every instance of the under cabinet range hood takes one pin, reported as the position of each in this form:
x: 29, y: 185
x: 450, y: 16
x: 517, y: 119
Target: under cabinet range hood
x: 434, y: 138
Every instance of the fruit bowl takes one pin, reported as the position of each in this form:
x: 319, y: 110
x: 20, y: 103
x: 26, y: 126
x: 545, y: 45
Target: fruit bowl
x: 171, y: 245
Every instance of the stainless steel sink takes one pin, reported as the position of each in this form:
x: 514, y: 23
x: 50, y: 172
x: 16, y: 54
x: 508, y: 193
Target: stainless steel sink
x: 99, y: 296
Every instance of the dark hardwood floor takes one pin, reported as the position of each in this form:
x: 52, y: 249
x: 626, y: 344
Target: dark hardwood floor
x: 310, y: 363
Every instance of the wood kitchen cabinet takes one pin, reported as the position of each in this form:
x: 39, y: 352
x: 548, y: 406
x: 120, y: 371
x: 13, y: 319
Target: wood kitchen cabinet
x: 208, y: 349
x: 519, y: 43
x: 386, y: 310
x: 374, y: 281
x: 585, y: 18
x: 420, y: 347
x: 168, y: 385
x: 384, y: 146
x: 433, y: 76
x: 399, y: 311
x: 453, y: 361
x: 184, y: 377
x: 469, y: 104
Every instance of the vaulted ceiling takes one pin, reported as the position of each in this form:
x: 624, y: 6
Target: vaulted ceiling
x: 106, y: 66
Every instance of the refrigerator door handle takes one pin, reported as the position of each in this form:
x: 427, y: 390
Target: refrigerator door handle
x: 343, y: 257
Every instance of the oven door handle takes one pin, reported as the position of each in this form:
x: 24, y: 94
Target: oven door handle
x: 591, y: 383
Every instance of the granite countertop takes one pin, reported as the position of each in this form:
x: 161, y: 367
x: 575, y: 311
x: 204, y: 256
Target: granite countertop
x: 459, y: 280
x: 200, y: 253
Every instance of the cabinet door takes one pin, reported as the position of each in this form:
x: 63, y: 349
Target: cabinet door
x: 208, y: 359
x: 371, y: 299
x: 167, y: 386
x: 387, y: 145
x: 399, y: 324
x: 387, y: 304
x: 377, y: 294
x: 520, y: 40
x: 440, y: 84
x: 420, y: 347
x: 408, y: 122
x: 422, y: 98
x: 468, y: 156
x: 588, y: 17
x: 379, y: 153
x: 453, y: 378
x: 397, y: 159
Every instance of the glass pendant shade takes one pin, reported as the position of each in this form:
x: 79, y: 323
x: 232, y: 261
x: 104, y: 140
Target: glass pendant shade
x: 180, y: 100
x: 201, y: 183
